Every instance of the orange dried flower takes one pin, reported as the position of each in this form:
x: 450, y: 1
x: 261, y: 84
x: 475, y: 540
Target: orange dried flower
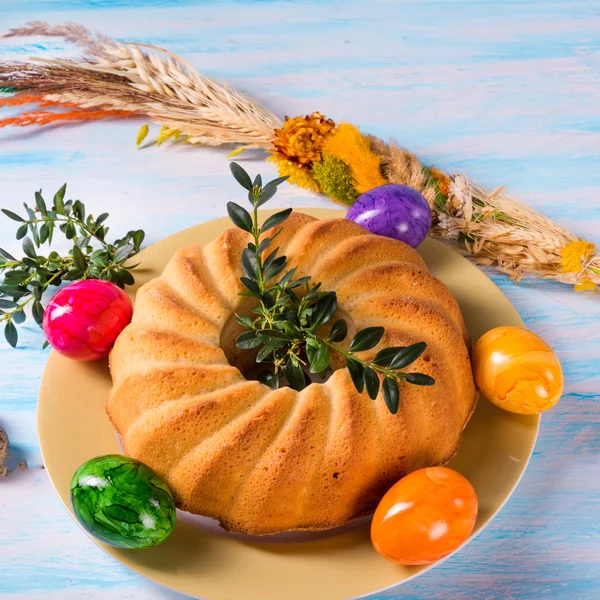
x: 301, y: 139
x: 442, y: 180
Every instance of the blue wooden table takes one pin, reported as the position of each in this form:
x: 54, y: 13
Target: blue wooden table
x: 508, y: 92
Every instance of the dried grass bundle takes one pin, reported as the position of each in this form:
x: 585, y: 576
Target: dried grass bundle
x: 496, y: 229
x: 129, y: 77
x: 114, y: 79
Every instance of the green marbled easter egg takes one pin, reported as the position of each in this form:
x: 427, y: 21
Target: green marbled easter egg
x: 122, y: 502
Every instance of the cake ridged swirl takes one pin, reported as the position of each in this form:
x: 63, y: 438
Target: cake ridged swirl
x: 265, y: 461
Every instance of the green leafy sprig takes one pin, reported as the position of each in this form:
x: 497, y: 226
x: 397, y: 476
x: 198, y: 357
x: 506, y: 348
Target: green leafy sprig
x: 92, y: 257
x: 285, y: 326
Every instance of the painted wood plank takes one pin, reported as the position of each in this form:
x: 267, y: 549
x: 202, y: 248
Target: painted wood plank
x: 506, y: 92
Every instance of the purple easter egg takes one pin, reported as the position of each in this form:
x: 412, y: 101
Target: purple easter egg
x: 395, y: 211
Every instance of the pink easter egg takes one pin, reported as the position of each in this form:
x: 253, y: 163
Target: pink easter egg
x: 83, y: 320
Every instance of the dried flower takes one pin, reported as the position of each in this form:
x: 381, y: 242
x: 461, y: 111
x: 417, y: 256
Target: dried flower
x: 335, y: 179
x: 352, y: 147
x: 296, y: 174
x: 576, y: 255
x: 301, y: 139
x: 442, y: 180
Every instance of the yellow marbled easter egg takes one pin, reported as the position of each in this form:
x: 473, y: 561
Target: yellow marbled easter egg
x: 517, y: 370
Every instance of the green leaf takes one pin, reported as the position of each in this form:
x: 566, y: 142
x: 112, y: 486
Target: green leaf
x: 366, y: 339
x: 244, y: 320
x: 50, y: 231
x: 29, y: 248
x: 241, y: 176
x: 6, y: 255
x: 251, y: 285
x: 19, y: 316
x: 287, y: 277
x: 274, y: 337
x: 420, y: 379
x: 270, y: 258
x: 123, y: 253
x: 264, y: 353
x: 247, y: 340
x: 276, y: 219
x: 275, y: 268
x: 79, y: 259
x: 37, y: 310
x: 39, y: 202
x: 44, y: 232
x: 7, y: 303
x: 298, y: 282
x: 268, y: 300
x: 266, y: 194
x: 371, y: 382
x: 249, y: 264
x: 45, y: 344
x: 101, y: 219
x: 295, y: 375
x: 58, y: 202
x: 10, y: 333
x: 292, y: 330
x: 391, y: 394
x: 323, y: 310
x: 11, y: 215
x: 264, y: 245
x: 339, y: 331
x: 385, y: 356
x: 126, y: 277
x: 240, y: 216
x: 277, y: 181
x: 22, y: 231
x: 79, y: 210
x: 407, y: 355
x: 69, y: 230
x: 356, y: 371
x: 268, y: 378
x: 319, y: 360
x: 138, y: 237
x: 14, y: 291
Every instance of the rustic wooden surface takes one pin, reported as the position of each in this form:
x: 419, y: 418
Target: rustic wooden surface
x: 508, y: 92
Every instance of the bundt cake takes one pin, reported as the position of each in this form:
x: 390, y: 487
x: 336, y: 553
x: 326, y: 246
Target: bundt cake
x: 264, y: 461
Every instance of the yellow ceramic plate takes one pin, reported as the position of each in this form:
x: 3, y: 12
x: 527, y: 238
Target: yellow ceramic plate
x: 74, y: 428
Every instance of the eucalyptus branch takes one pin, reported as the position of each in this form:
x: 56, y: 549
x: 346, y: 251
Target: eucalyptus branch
x: 91, y: 257
x: 284, y: 329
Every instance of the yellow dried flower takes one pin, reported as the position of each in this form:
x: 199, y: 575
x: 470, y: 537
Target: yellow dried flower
x: 301, y: 139
x: 587, y: 285
x: 298, y: 174
x: 575, y: 255
x: 352, y: 147
x: 335, y: 179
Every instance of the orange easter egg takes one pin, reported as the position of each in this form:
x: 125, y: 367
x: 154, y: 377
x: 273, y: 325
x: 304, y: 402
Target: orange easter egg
x: 425, y: 516
x: 517, y: 370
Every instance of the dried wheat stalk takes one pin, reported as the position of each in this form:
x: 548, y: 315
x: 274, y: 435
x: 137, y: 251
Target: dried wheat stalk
x: 124, y: 76
x: 496, y: 229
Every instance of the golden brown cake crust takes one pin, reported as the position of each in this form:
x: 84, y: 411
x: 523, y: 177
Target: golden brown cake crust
x: 263, y: 461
